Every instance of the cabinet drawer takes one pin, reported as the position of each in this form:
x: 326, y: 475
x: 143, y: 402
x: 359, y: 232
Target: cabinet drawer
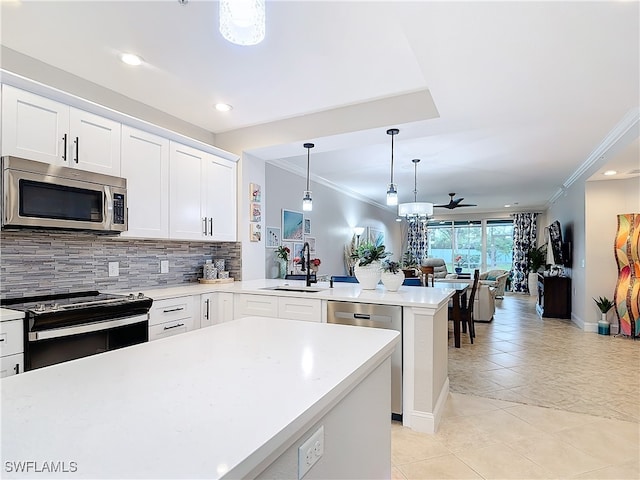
x: 260, y: 305
x: 171, y: 309
x: 308, y: 309
x: 11, y: 337
x: 168, y: 329
x: 11, y: 365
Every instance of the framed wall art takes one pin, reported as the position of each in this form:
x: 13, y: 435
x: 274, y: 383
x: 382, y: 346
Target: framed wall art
x: 255, y: 192
x: 272, y: 237
x: 256, y: 212
x: 375, y: 235
x: 307, y: 226
x: 256, y: 232
x: 312, y: 243
x: 292, y: 225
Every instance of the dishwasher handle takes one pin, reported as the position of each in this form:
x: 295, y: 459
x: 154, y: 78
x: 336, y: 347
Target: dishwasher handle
x: 363, y: 316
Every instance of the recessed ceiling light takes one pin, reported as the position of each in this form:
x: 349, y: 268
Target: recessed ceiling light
x: 131, y: 59
x: 608, y: 173
x: 223, y: 107
x: 507, y: 205
x: 398, y: 219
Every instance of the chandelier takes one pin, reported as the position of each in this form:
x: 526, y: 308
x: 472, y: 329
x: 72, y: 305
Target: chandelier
x: 415, y: 211
x: 242, y: 21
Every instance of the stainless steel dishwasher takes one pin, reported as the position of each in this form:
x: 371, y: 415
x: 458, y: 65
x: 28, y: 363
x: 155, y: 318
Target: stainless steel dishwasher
x: 376, y: 316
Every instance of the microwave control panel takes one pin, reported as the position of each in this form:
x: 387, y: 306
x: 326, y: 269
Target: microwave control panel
x: 118, y: 208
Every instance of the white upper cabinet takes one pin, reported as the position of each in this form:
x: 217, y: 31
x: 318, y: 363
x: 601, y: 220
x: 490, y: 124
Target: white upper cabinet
x: 202, y: 195
x: 41, y: 129
x: 145, y: 165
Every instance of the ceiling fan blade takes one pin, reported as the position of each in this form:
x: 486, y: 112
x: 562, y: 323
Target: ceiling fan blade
x: 466, y: 205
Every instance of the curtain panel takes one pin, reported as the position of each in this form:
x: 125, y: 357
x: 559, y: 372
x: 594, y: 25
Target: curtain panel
x: 524, y: 238
x: 417, y: 239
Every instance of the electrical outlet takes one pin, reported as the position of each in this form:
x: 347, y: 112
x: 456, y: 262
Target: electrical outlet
x: 114, y: 269
x: 164, y: 266
x: 310, y: 452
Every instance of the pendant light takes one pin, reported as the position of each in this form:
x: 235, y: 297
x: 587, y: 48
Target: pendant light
x: 392, y: 191
x: 242, y: 21
x: 307, y: 203
x: 415, y: 210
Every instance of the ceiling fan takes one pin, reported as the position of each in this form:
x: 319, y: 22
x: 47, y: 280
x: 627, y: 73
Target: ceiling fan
x: 455, y: 203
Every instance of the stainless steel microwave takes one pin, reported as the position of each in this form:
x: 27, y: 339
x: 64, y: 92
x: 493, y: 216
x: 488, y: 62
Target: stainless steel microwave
x: 40, y: 195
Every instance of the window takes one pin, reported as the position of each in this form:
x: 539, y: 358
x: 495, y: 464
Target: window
x: 482, y: 244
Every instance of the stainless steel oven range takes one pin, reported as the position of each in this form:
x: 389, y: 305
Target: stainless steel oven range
x: 64, y: 327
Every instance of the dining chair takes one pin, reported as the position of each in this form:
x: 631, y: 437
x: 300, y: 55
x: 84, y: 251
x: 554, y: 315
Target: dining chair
x: 426, y: 273
x: 466, y: 311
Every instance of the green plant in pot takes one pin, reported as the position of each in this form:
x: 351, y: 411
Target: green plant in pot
x: 392, y: 275
x: 604, y: 305
x: 368, y: 267
x: 536, y: 259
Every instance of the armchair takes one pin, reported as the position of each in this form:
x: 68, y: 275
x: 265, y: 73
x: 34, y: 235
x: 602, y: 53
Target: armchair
x: 496, y: 279
x: 439, y: 268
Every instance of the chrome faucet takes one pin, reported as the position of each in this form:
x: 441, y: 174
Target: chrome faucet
x: 306, y: 263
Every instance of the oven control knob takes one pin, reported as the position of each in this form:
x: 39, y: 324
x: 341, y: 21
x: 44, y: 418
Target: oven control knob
x: 140, y: 295
x: 40, y: 307
x: 131, y: 296
x: 55, y: 306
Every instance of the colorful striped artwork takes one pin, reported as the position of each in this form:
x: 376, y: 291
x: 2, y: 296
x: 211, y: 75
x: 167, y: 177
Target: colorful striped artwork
x: 627, y: 294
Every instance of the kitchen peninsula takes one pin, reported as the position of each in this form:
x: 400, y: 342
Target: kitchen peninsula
x: 235, y: 400
x: 425, y: 382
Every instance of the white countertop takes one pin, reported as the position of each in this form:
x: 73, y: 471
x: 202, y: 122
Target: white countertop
x: 6, y: 314
x: 433, y: 297
x: 206, y: 403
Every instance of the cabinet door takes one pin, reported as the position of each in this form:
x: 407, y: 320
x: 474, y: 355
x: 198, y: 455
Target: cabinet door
x: 145, y: 165
x: 186, y: 218
x: 169, y: 329
x: 94, y: 143
x: 34, y: 127
x: 307, y: 309
x: 246, y: 305
x: 11, y: 337
x: 171, y: 309
x: 220, y: 189
x: 11, y: 365
x: 225, y: 307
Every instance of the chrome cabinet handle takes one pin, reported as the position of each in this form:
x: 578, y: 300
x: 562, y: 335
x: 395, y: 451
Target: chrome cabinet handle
x: 64, y: 151
x: 173, y: 310
x: 174, y: 326
x: 2, y: 339
x: 17, y: 368
x: 77, y: 142
x: 204, y: 231
x: 207, y: 314
x: 211, y: 226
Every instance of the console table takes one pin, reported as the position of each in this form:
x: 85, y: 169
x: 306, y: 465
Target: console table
x: 554, y: 297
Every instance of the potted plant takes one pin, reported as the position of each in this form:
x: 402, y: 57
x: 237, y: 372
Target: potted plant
x: 604, y: 305
x: 536, y: 258
x: 458, y: 261
x: 392, y: 276
x: 409, y: 264
x: 368, y: 258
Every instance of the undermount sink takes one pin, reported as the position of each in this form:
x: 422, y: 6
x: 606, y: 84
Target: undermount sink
x: 287, y: 288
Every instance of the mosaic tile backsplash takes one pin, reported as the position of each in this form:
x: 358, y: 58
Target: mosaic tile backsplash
x: 35, y: 262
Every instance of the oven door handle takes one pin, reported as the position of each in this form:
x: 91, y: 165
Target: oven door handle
x: 86, y: 328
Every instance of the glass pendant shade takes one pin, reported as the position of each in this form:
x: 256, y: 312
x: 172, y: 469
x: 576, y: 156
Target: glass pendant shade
x: 392, y: 194
x: 307, y: 202
x: 242, y: 21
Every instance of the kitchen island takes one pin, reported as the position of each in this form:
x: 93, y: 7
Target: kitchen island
x: 425, y: 381
x: 235, y: 400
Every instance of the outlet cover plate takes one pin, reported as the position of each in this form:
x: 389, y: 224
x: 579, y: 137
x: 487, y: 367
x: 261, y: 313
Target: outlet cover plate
x: 310, y: 452
x: 164, y: 266
x: 114, y: 269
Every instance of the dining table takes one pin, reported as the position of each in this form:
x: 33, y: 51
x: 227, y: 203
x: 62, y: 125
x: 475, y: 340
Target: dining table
x: 460, y: 295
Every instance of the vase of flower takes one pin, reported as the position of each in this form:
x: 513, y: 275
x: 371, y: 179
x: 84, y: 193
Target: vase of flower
x: 458, y: 267
x: 392, y: 276
x: 282, y: 254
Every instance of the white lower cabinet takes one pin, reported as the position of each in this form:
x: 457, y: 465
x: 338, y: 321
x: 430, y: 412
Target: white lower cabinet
x: 309, y: 309
x: 11, y: 348
x: 215, y: 308
x: 172, y: 316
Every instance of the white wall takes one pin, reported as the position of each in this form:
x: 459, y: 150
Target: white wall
x: 250, y: 170
x: 604, y: 201
x: 332, y: 220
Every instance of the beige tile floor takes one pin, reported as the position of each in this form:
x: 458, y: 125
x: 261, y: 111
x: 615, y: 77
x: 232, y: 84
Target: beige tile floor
x: 532, y: 398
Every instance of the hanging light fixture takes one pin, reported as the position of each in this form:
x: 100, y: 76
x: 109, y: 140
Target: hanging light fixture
x: 415, y: 210
x: 392, y: 191
x: 242, y: 21
x: 307, y: 203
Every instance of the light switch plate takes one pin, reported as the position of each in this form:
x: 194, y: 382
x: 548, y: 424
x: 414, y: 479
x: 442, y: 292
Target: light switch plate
x: 310, y: 452
x: 164, y: 266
